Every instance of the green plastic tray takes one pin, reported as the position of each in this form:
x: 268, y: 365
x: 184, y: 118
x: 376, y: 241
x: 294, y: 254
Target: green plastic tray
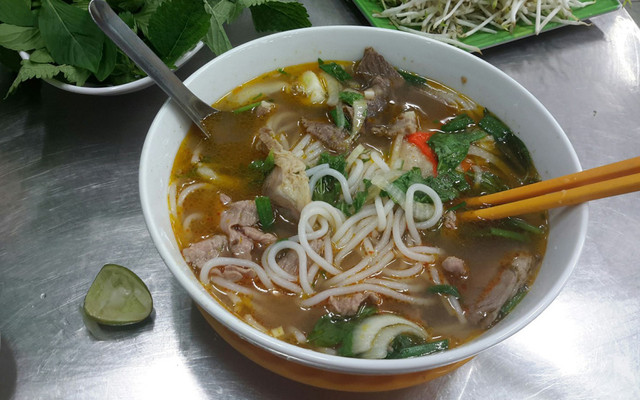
x: 484, y: 40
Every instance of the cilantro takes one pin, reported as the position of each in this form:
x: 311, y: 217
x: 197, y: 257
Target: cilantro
x: 452, y: 148
x: 334, y: 70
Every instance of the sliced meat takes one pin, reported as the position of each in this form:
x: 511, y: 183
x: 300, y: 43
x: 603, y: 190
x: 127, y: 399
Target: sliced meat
x: 289, y: 262
x: 197, y: 254
x: 413, y: 157
x: 455, y: 266
x: 264, y: 108
x: 330, y: 135
x: 510, y: 278
x: 287, y: 185
x: 234, y: 273
x: 238, y: 221
x: 406, y: 123
x: 349, y: 304
x: 450, y: 220
x: 373, y: 64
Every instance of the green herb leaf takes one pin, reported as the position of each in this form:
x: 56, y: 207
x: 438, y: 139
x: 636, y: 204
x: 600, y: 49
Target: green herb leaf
x: 511, y: 145
x: 349, y: 97
x: 507, y: 234
x: 334, y: 70
x: 412, y: 78
x: 265, y: 212
x: 30, y: 70
x: 444, y: 289
x: 420, y: 350
x: 248, y: 107
x: 460, y: 122
x: 70, y: 35
x: 279, y: 16
x: 339, y: 118
x: 220, y: 13
x: 10, y: 59
x: 452, y: 148
x: 17, y: 12
x: 108, y: 62
x: 176, y: 27
x: 265, y: 166
x: 126, y: 5
x: 510, y: 304
x: 20, y: 38
x: 332, y: 330
x: 524, y: 225
x: 447, y: 185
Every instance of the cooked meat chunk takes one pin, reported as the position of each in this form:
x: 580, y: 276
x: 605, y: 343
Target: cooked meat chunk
x: 406, y: 123
x: 455, y: 266
x: 373, y: 64
x: 349, y: 304
x: 234, y: 273
x: 330, y: 135
x: 413, y: 157
x: 264, y: 108
x: 287, y: 185
x: 382, y: 94
x: 450, y: 220
x: 238, y: 221
x: 289, y: 262
x: 510, y: 278
x: 197, y: 254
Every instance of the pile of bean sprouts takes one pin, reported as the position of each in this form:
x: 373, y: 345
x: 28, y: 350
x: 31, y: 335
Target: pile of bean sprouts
x: 452, y: 20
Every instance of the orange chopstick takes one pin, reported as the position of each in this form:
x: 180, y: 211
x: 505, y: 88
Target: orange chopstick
x: 609, y: 180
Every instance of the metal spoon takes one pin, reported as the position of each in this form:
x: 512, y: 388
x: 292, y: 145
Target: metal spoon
x: 197, y: 110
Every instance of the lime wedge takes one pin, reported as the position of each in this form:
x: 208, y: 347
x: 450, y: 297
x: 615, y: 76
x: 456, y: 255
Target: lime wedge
x: 117, y: 297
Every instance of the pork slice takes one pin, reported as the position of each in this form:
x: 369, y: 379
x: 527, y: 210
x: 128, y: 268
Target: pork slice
x: 234, y: 273
x: 413, y: 157
x: 287, y: 185
x: 197, y: 254
x: 264, y: 108
x: 289, y: 262
x: 450, y: 220
x: 405, y: 123
x: 257, y: 235
x: 373, y: 64
x: 349, y: 304
x: 330, y: 135
x: 237, y: 218
x: 509, y: 279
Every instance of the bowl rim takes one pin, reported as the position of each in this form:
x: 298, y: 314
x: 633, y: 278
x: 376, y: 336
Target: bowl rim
x: 114, y: 90
x: 345, y: 364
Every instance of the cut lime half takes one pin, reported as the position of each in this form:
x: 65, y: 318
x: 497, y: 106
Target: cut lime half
x: 117, y: 297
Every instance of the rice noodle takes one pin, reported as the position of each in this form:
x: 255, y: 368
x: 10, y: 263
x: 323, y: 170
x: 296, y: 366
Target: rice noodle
x: 188, y: 190
x: 362, y: 287
x: 222, y: 261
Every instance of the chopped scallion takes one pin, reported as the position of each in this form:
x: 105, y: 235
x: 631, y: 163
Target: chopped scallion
x: 524, y: 225
x: 444, y: 289
x: 421, y: 349
x: 520, y: 237
x: 247, y: 107
x: 265, y: 212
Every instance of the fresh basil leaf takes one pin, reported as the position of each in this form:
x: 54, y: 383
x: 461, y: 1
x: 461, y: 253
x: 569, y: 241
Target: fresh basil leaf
x: 20, y: 38
x: 279, y: 16
x: 17, y: 12
x: 452, y: 148
x: 176, y: 27
x: 70, y: 35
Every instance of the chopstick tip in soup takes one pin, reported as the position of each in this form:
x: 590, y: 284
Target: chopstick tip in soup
x: 325, y: 212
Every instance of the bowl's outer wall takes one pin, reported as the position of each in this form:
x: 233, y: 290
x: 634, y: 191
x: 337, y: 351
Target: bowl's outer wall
x: 549, y: 146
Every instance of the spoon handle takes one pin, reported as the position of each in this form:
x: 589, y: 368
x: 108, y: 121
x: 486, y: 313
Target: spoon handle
x: 148, y: 61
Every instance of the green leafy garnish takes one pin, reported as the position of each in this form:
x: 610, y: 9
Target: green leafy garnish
x: 511, y: 145
x: 333, y: 330
x: 279, y: 16
x: 248, y: 107
x: 416, y: 350
x: 447, y: 185
x: 444, y: 289
x: 339, y: 118
x: 334, y: 70
x: 349, y: 97
x: 512, y: 302
x: 524, y: 225
x: 265, y: 212
x: 412, y: 78
x: 507, y: 234
x: 117, y: 297
x: 452, y: 148
x: 264, y: 166
x: 459, y: 123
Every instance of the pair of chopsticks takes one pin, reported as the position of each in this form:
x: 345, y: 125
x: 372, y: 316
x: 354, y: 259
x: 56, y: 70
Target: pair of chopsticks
x: 606, y: 181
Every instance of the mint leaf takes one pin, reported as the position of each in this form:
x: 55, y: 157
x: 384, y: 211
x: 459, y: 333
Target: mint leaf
x: 30, y: 70
x: 177, y: 26
x: 20, y: 38
x: 279, y: 16
x: 17, y: 12
x: 70, y: 35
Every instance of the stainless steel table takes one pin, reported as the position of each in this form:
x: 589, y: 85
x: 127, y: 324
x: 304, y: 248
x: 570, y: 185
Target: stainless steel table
x: 69, y: 204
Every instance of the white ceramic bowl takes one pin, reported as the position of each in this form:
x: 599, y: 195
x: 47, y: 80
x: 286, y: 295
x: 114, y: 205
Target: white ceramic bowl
x: 114, y: 90
x: 549, y: 147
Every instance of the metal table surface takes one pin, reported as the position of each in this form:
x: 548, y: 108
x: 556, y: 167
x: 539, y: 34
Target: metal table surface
x: 69, y: 204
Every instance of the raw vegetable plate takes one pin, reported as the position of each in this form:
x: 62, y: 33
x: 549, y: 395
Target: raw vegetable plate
x: 484, y: 40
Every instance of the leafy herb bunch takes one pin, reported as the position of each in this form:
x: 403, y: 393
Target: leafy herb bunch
x: 63, y: 41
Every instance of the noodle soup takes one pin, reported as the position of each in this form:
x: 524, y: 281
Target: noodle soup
x: 324, y: 212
